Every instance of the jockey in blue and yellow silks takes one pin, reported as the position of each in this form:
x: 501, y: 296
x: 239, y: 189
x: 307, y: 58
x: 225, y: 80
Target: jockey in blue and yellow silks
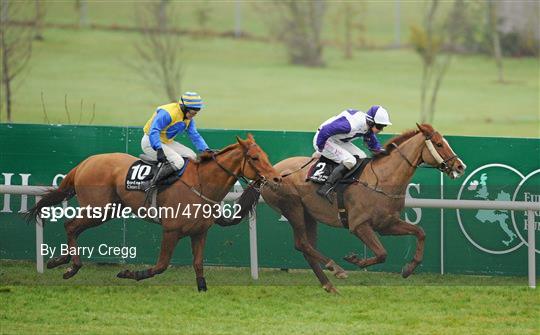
x: 165, y: 124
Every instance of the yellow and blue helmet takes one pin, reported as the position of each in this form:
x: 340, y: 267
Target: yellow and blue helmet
x: 191, y: 100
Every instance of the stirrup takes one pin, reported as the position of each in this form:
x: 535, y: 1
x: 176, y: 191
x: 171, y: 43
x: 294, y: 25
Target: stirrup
x: 327, y: 194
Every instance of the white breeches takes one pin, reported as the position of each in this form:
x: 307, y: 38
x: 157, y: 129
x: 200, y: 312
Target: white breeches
x: 174, y: 151
x: 340, y: 152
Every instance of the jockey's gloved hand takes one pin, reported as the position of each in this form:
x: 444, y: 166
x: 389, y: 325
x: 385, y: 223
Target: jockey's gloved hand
x: 161, y: 156
x: 209, y: 150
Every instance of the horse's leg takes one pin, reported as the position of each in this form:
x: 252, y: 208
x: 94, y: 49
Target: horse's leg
x: 401, y: 227
x: 74, y: 229
x: 311, y: 231
x: 60, y: 260
x: 314, y: 264
x: 168, y: 243
x: 370, y: 239
x: 197, y: 248
x: 301, y: 243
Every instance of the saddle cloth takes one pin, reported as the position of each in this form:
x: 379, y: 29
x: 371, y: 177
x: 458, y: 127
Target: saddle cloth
x: 144, y: 170
x: 320, y: 171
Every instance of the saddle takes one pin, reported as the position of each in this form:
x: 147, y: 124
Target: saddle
x: 144, y: 169
x: 319, y: 172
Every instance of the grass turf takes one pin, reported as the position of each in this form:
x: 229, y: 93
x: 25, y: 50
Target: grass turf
x: 281, y: 302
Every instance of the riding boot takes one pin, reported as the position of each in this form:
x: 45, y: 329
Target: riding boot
x: 333, y: 178
x: 162, y: 173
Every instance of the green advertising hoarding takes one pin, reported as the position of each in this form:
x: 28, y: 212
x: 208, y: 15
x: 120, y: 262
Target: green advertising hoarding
x: 465, y: 241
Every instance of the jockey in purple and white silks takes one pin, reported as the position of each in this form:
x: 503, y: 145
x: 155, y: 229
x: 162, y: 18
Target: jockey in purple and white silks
x: 334, y: 136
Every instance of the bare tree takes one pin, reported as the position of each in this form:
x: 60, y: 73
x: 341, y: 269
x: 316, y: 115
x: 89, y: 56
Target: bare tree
x: 348, y: 22
x: 162, y: 14
x: 158, y: 50
x: 82, y: 8
x: 39, y: 19
x: 428, y: 43
x: 203, y: 14
x: 493, y: 29
x: 298, y: 24
x: 16, y: 49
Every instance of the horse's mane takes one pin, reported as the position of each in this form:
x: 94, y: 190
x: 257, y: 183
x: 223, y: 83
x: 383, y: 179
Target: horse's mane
x: 397, y: 140
x: 208, y: 156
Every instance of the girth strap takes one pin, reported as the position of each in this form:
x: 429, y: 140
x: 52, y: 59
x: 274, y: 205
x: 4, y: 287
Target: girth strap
x: 342, y: 211
x: 342, y: 185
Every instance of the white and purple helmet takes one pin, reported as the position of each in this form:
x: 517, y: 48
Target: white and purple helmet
x: 378, y: 115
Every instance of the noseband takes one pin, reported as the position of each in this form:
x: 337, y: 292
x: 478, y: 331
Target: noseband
x: 241, y: 176
x: 443, y: 164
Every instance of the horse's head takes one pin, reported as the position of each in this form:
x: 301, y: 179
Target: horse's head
x: 256, y: 164
x: 438, y: 153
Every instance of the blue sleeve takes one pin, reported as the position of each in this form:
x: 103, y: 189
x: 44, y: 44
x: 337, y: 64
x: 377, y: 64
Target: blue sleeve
x: 338, y: 126
x: 372, y: 142
x: 161, y: 120
x: 195, y: 137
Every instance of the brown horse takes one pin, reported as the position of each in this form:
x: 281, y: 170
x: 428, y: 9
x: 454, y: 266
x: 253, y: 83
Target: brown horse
x: 373, y: 203
x: 100, y: 180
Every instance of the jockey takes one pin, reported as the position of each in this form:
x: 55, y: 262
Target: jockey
x: 159, y: 132
x: 334, y: 136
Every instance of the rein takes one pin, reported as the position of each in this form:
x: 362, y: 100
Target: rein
x: 261, y: 180
x: 300, y: 168
x: 442, y: 166
x: 404, y: 157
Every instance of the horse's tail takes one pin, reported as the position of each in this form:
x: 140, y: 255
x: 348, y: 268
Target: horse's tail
x: 247, y: 201
x: 65, y: 191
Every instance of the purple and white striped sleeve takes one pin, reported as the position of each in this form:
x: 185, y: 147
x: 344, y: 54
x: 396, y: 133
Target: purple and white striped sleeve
x: 372, y: 142
x: 338, y: 126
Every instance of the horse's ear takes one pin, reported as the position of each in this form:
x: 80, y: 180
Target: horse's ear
x: 420, y: 127
x: 250, y: 137
x: 241, y: 141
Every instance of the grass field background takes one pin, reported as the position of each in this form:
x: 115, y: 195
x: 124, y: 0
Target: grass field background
x: 280, y: 302
x: 249, y: 85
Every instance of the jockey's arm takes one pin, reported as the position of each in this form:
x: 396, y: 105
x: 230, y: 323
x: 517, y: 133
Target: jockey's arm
x: 338, y: 126
x: 195, y: 137
x: 161, y: 120
x: 372, y: 142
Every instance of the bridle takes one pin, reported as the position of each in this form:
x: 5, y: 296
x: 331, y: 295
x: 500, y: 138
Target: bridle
x: 257, y: 182
x: 443, y: 164
x: 246, y: 159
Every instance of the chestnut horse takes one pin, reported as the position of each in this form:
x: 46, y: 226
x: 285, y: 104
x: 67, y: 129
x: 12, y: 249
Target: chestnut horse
x: 374, y: 202
x: 100, y: 180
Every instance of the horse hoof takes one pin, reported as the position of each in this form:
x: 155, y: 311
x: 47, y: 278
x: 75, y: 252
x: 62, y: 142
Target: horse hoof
x: 330, y: 288
x: 341, y: 275
x: 52, y: 264
x: 406, y: 272
x: 201, y: 284
x: 352, y: 258
x: 71, y: 271
x: 57, y: 262
x: 124, y: 274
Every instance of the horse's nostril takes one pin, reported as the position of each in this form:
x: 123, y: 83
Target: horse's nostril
x: 277, y: 179
x: 460, y: 168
